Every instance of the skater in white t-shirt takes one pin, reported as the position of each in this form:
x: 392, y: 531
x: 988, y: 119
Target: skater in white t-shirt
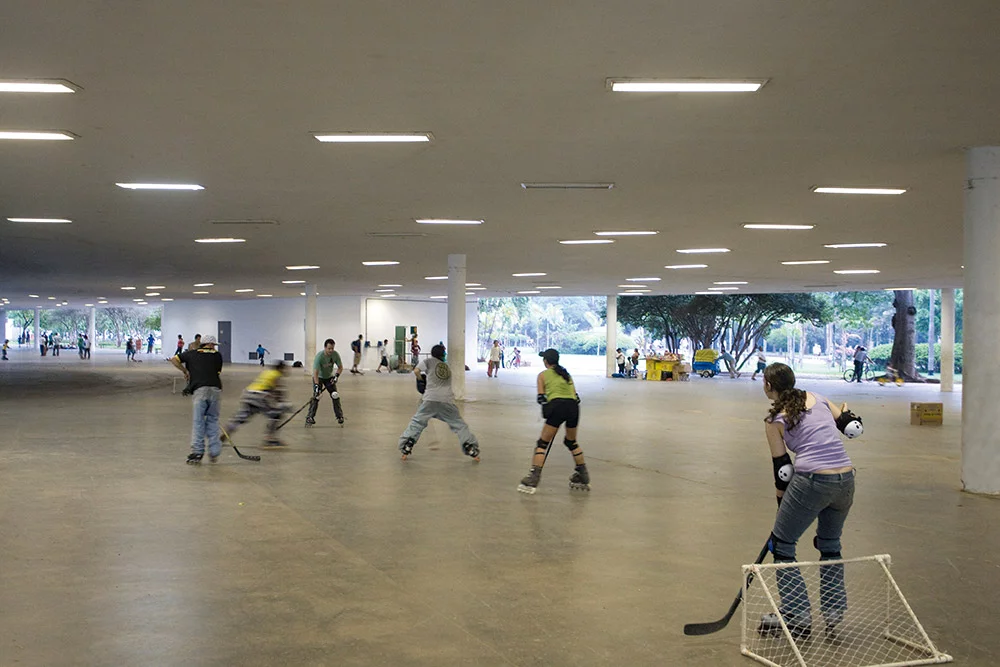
x: 494, y: 363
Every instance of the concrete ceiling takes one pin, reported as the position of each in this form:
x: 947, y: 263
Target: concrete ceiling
x: 225, y: 94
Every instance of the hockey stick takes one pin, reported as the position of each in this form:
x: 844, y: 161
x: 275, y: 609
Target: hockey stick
x: 715, y: 626
x: 293, y: 415
x: 247, y: 457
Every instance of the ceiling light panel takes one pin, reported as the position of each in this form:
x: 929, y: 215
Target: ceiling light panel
x: 702, y: 251
x: 390, y: 285
x: 160, y: 186
x: 435, y: 277
x: 200, y: 292
x: 587, y: 241
x: 849, y: 272
x: 685, y: 85
x: 642, y: 280
x: 528, y: 275
x: 859, y: 191
x: 529, y: 291
x: 722, y: 289
x: 446, y: 221
x: 373, y: 137
x: 18, y: 135
x: 203, y: 284
x: 37, y: 86
x: 804, y: 262
x: 855, y: 245
x: 301, y: 267
x: 221, y: 239
x: 156, y: 287
x: 385, y: 290
x: 567, y: 186
x: 767, y: 225
x: 686, y: 266
x: 644, y: 233
x: 380, y: 262
x: 543, y: 287
x: 244, y: 290
x: 128, y: 288
x: 293, y: 282
x: 731, y: 282
x: 42, y: 221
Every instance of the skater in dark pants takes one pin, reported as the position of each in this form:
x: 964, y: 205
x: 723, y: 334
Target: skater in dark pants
x: 261, y: 351
x: 819, y: 486
x: 324, y: 379
x: 560, y: 405
x: 384, y: 362
x: 434, y: 382
x: 356, y: 349
x: 201, y: 369
x: 265, y: 395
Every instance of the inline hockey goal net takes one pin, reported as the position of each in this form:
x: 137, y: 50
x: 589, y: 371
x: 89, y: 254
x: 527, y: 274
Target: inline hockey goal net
x: 843, y: 613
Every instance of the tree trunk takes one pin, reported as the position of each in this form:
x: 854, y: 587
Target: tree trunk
x: 904, y: 358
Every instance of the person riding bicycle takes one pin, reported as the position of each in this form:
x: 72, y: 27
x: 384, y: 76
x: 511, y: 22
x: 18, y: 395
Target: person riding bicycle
x: 860, y: 358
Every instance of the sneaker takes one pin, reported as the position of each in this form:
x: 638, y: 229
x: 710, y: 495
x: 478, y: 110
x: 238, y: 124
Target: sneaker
x: 310, y: 421
x: 340, y: 420
x: 406, y: 447
x: 770, y: 626
x: 530, y: 482
x: 194, y: 459
x: 471, y: 449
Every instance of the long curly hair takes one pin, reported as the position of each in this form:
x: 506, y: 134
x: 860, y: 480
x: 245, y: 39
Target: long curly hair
x: 790, y: 400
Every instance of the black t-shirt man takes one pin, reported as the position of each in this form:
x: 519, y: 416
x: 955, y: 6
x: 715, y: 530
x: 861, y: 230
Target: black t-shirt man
x: 204, y: 366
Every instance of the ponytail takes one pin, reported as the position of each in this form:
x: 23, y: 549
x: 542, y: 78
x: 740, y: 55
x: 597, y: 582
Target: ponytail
x: 562, y: 372
x: 793, y: 403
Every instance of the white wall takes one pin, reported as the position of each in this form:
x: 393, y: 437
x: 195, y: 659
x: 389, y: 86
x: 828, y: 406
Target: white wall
x: 279, y: 324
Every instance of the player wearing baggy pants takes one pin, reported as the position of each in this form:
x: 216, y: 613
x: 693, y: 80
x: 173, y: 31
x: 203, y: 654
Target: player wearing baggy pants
x: 434, y: 382
x: 265, y: 395
x: 821, y: 486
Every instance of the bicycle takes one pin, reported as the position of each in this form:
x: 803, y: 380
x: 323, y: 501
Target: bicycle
x: 867, y: 374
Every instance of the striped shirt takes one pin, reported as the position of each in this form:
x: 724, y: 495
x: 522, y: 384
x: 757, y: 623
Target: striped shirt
x: 815, y: 440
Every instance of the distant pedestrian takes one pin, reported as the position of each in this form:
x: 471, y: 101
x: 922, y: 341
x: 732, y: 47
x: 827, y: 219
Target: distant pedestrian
x: 129, y: 349
x: 149, y: 344
x: 384, y: 361
x: 414, y: 350
x: 761, y: 362
x: 493, y: 365
x: 620, y: 360
x: 79, y: 345
x: 730, y: 363
x: 356, y: 349
x: 261, y: 351
x: 202, y: 368
x: 55, y: 344
x: 501, y: 355
x: 86, y: 346
x: 860, y: 357
x: 195, y: 344
x: 6, y: 345
x: 180, y: 344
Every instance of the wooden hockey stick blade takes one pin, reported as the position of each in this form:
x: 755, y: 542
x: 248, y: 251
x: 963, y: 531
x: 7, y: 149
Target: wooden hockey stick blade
x: 694, y: 629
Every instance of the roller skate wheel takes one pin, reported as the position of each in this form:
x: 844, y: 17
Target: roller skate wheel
x: 530, y: 490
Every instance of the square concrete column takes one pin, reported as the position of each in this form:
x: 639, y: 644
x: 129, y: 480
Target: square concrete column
x: 456, y: 324
x: 38, y: 326
x: 947, y: 340
x: 92, y: 328
x: 310, y: 327
x: 612, y: 333
x: 981, y: 376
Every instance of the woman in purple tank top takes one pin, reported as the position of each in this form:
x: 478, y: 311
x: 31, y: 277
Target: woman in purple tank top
x: 820, y: 486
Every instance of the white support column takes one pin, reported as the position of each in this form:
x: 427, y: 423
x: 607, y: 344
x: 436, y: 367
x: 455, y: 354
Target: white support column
x: 38, y: 328
x: 947, y: 340
x: 310, y: 326
x: 981, y: 377
x: 456, y: 324
x: 612, y: 333
x: 92, y: 329
x: 3, y: 324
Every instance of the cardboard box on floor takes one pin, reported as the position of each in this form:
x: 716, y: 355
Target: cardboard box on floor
x: 926, y: 414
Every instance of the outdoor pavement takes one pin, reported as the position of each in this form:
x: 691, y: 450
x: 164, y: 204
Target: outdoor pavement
x: 334, y: 552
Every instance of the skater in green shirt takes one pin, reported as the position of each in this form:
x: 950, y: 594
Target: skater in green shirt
x: 325, y: 379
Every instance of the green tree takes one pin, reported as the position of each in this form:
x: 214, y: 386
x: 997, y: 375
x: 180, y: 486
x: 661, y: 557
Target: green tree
x: 23, y: 319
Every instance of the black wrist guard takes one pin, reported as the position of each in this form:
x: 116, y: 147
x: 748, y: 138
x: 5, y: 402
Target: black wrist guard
x: 542, y: 399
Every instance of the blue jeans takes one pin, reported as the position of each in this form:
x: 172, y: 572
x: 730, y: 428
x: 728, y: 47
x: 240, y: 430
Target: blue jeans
x: 811, y: 496
x: 446, y: 412
x: 207, y: 404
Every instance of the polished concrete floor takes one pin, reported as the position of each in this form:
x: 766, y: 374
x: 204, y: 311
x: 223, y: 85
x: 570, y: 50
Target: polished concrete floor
x: 334, y: 552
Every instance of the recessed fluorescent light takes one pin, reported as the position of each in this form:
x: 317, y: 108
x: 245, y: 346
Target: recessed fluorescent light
x: 220, y: 240
x: 390, y: 285
x: 708, y: 293
x: 42, y: 86
x: 440, y: 296
x: 52, y: 298
x: 265, y: 295
x: 545, y: 287
x: 686, y: 266
x: 859, y: 191
x: 380, y: 262
x: 152, y: 294
x: 855, y: 245
x: 856, y: 271
x: 760, y: 225
x: 160, y: 186
x: 637, y: 291
x: 301, y: 267
x: 567, y: 186
x: 372, y: 137
x: 244, y: 290
x: 443, y: 221
x: 292, y: 282
x: 385, y: 290
x: 586, y: 241
x: 199, y: 292
x: 899, y: 289
x: 630, y: 294
x: 203, y: 284
x: 42, y: 221
x: 631, y: 286
x: 33, y: 296
x: 143, y: 303
x: 88, y: 305
x: 650, y: 233
x: 127, y: 289
x: 469, y: 285
x: 435, y: 277
x: 731, y: 282
x: 642, y: 280
x: 102, y: 301
x: 166, y: 299
x: 470, y: 294
x: 528, y: 275
x: 806, y: 261
x: 697, y: 251
x: 139, y: 299
x: 37, y: 136
x: 386, y: 296
x: 476, y: 289
x: 156, y: 287
x: 722, y: 289
x: 529, y: 291
x: 686, y: 85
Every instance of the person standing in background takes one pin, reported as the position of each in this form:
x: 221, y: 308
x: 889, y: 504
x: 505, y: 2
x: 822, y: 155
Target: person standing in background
x: 149, y: 344
x: 55, y: 344
x: 356, y: 349
x: 86, y: 346
x: 384, y: 361
x: 261, y: 351
x: 180, y: 344
x: 761, y: 362
x: 202, y: 368
x: 492, y: 367
x: 414, y: 350
x: 195, y: 344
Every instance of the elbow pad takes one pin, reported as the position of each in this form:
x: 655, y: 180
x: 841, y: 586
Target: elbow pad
x: 783, y: 471
x: 850, y: 424
x: 422, y: 383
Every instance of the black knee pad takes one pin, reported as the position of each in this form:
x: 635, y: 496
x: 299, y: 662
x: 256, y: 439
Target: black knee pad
x: 781, y: 551
x: 825, y: 555
x: 570, y: 444
x: 541, y: 445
